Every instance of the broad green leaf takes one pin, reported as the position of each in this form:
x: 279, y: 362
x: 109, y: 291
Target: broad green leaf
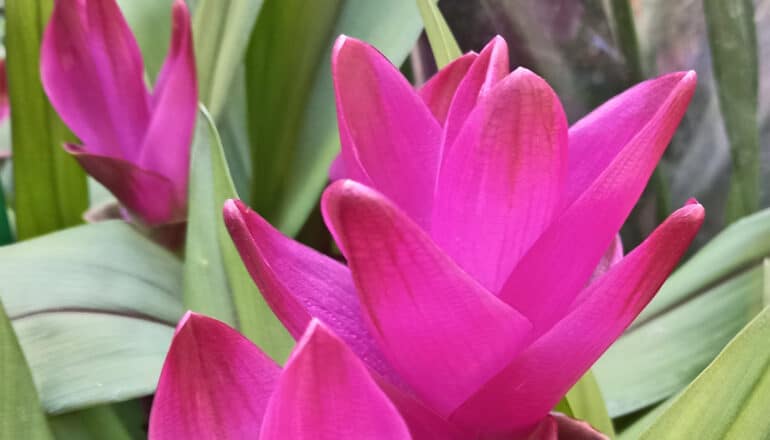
x: 442, y: 42
x: 50, y: 187
x: 586, y: 403
x: 94, y: 308
x: 643, y: 423
x: 729, y: 400
x: 215, y: 280
x: 392, y: 27
x: 733, y: 43
x: 150, y: 21
x: 697, y: 311
x: 21, y: 415
x: 100, y: 422
x: 221, y: 28
x: 234, y: 130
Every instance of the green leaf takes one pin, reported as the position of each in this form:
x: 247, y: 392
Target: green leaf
x: 21, y: 415
x: 150, y: 21
x: 312, y: 139
x: 50, y: 186
x: 220, y: 29
x: 729, y: 400
x: 442, y: 42
x: 697, y: 311
x: 586, y: 403
x: 215, y: 280
x: 733, y: 43
x: 94, y: 308
x: 6, y: 233
x: 100, y: 422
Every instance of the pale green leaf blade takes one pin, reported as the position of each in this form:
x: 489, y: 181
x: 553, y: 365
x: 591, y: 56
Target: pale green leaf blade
x: 729, y: 400
x: 442, y: 42
x: 216, y: 281
x: 100, y: 422
x: 21, y: 415
x: 586, y: 403
x: 733, y: 43
x: 150, y: 21
x: 51, y: 191
x: 221, y: 28
x: 94, y: 308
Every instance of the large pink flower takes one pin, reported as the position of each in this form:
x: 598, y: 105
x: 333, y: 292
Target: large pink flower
x: 217, y: 385
x: 135, y: 142
x: 472, y: 226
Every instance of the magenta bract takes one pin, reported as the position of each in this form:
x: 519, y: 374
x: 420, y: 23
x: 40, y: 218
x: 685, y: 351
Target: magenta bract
x: 135, y: 142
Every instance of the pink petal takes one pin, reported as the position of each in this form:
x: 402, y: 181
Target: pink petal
x: 599, y: 137
x: 500, y: 185
x: 299, y: 283
x: 389, y: 137
x: 530, y: 386
x: 583, y: 233
x: 326, y: 392
x: 166, y: 146
x: 440, y: 89
x: 5, y: 105
x: 148, y: 195
x: 611, y: 257
x: 215, y: 384
x: 442, y: 331
x: 337, y: 169
x: 92, y: 71
x: 489, y: 67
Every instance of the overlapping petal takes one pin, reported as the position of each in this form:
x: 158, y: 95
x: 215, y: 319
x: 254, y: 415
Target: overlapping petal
x: 442, y: 331
x: 585, y: 230
x: 440, y: 89
x: 326, y: 392
x: 389, y: 136
x: 300, y: 284
x: 215, y: 384
x: 540, y: 376
x: 500, y: 186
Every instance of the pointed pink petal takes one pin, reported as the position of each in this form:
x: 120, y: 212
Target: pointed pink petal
x: 148, y: 195
x: 215, y: 384
x: 611, y: 257
x: 440, y: 89
x: 166, y: 145
x: 583, y: 233
x: 500, y: 185
x: 92, y: 71
x: 443, y: 332
x: 598, y: 138
x: 299, y: 283
x: 489, y: 67
x: 326, y: 392
x: 5, y: 105
x: 530, y: 386
x: 337, y: 169
x: 389, y: 137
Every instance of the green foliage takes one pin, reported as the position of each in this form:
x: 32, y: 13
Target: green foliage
x: 442, y: 42
x: 94, y: 308
x: 100, y: 422
x: 729, y: 400
x: 21, y: 416
x: 697, y: 311
x: 585, y: 402
x: 215, y: 280
x: 312, y: 138
x: 150, y: 21
x: 51, y: 190
x: 733, y: 43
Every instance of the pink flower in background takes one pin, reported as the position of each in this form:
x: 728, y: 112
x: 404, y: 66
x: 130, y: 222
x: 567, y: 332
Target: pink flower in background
x: 135, y: 142
x: 217, y: 385
x: 472, y: 227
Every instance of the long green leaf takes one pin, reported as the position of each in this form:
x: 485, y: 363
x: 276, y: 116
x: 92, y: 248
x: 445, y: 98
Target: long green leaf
x: 729, y: 400
x: 733, y: 43
x: 442, y: 42
x: 50, y: 187
x: 100, y: 422
x: 150, y: 21
x: 215, y: 280
x: 220, y: 28
x: 586, y: 403
x: 698, y: 310
x: 392, y: 27
x: 21, y: 415
x: 94, y: 308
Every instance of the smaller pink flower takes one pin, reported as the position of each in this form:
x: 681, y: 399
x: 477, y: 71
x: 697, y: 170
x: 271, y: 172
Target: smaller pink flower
x: 135, y: 142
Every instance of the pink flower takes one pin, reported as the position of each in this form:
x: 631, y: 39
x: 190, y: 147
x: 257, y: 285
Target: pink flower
x: 135, y: 142
x: 216, y: 384
x: 472, y: 226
